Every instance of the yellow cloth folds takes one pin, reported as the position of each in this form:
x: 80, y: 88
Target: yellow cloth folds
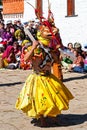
x: 43, y: 95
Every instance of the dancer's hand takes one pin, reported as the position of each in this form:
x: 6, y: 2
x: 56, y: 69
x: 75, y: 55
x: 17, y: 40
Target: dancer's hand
x: 30, y: 53
x: 35, y: 43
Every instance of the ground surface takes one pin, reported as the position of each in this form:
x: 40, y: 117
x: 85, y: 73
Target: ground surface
x: 11, y: 83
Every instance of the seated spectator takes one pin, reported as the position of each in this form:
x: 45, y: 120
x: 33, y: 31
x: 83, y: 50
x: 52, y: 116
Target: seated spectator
x: 20, y: 35
x: 85, y: 63
x: 25, y: 42
x: 70, y: 47
x: 1, y: 53
x: 78, y: 63
x: 78, y: 47
x: 9, y: 59
x: 15, y: 25
x: 17, y: 51
x: 85, y: 49
x: 66, y: 61
x: 85, y: 60
x: 7, y: 37
x: 67, y: 56
x: 19, y: 24
x: 2, y: 29
x: 20, y: 39
x: 1, y: 46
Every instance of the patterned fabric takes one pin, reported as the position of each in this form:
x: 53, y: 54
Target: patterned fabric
x: 25, y: 65
x: 48, y: 56
x: 43, y: 96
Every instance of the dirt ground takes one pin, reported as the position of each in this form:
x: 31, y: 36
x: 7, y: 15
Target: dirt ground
x: 11, y: 82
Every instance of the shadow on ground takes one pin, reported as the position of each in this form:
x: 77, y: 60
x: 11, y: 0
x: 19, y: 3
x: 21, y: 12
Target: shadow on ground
x: 10, y: 84
x: 64, y: 120
x: 75, y: 78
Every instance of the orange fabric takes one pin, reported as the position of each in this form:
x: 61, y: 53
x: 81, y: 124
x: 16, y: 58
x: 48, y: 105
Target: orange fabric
x: 57, y: 71
x: 24, y: 65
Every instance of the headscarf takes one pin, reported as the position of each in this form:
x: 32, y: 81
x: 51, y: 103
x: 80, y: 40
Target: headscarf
x: 7, y: 51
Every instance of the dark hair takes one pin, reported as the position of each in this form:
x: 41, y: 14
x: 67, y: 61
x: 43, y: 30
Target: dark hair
x: 69, y: 44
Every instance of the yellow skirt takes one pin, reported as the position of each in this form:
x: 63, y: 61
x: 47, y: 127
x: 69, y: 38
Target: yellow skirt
x: 43, y: 96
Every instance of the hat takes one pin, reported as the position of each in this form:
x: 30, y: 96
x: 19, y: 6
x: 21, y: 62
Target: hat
x: 25, y: 23
x: 1, y: 39
x: 85, y: 47
x: 77, y: 45
x: 25, y: 42
x: 37, y: 20
x: 1, y: 46
x: 9, y: 21
x: 18, y: 20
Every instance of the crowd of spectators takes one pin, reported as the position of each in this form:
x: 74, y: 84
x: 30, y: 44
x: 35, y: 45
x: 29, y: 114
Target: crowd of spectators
x: 75, y: 58
x: 14, y: 43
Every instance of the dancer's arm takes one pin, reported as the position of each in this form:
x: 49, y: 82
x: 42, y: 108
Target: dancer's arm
x: 29, y: 54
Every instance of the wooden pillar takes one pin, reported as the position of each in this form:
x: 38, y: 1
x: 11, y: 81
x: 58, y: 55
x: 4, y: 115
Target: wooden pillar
x: 39, y: 8
x: 70, y: 7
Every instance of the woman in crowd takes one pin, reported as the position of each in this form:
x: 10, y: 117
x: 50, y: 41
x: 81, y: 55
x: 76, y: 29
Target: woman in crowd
x: 9, y: 58
x: 7, y: 37
x: 78, y: 63
x: 70, y: 47
x: 17, y: 50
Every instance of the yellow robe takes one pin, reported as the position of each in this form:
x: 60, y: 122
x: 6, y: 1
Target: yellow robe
x: 43, y: 96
